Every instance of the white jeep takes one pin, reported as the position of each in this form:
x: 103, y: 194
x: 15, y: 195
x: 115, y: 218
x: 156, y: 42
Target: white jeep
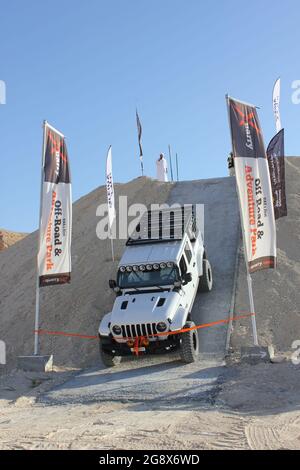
x: 157, y: 281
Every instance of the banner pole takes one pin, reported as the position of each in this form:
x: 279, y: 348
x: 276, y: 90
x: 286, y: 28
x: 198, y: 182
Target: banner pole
x: 112, y: 248
x: 142, y: 166
x: 171, y: 168
x: 249, y: 279
x: 37, y: 294
x: 177, y: 166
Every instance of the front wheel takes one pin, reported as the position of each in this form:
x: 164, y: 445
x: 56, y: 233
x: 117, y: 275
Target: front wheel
x: 108, y: 359
x: 189, y: 347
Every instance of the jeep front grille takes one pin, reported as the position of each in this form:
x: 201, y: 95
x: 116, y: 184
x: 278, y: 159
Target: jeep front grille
x: 143, y: 329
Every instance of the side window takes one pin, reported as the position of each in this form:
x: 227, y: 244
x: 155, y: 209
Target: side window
x: 188, y: 252
x: 182, y: 265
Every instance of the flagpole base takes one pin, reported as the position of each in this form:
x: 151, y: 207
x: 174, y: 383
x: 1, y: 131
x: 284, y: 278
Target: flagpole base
x: 255, y: 354
x: 35, y: 363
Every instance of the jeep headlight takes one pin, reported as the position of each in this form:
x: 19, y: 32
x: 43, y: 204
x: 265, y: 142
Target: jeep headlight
x: 116, y: 329
x: 161, y: 326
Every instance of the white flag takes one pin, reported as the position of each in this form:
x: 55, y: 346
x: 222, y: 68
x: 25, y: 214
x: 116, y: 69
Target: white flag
x: 276, y: 103
x: 110, y: 189
x: 54, y: 256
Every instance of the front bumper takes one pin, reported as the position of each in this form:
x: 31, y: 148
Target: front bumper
x: 114, y: 348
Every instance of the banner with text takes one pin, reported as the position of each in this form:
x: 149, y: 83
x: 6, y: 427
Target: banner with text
x: 110, y: 189
x: 54, y: 257
x: 276, y: 104
x: 254, y: 186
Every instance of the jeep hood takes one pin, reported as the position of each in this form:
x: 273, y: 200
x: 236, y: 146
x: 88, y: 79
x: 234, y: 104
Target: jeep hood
x: 145, y: 307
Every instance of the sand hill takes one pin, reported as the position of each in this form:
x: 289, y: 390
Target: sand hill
x: 77, y: 307
x: 8, y: 238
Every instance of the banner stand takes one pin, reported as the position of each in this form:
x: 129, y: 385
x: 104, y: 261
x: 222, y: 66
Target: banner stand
x: 37, y: 295
x: 249, y: 279
x: 54, y: 242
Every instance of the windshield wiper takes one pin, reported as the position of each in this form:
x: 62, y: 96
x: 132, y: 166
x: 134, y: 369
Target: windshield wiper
x: 132, y: 287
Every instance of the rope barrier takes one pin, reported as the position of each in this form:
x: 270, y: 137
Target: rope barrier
x: 140, y: 339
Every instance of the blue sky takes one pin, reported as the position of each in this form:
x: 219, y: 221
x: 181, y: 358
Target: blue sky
x: 85, y: 66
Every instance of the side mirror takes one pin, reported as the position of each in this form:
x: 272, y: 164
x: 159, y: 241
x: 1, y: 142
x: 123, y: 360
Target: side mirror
x: 187, y: 278
x: 112, y: 284
x: 177, y: 284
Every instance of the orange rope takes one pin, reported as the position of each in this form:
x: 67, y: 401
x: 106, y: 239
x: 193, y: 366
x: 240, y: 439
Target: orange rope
x: 139, y: 339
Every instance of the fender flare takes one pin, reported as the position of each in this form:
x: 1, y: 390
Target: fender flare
x: 103, y: 329
x: 179, y: 319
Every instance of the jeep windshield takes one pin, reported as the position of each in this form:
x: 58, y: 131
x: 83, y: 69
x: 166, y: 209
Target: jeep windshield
x: 139, y: 279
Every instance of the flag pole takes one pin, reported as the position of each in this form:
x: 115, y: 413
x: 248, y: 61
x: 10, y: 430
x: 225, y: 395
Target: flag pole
x: 37, y: 294
x: 142, y: 165
x: 171, y: 168
x: 177, y: 166
x: 249, y: 278
x: 112, y: 246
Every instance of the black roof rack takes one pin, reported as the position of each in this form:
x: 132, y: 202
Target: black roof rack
x: 164, y: 225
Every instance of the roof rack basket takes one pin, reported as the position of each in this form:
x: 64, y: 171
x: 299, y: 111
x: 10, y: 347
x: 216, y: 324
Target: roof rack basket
x: 165, y: 225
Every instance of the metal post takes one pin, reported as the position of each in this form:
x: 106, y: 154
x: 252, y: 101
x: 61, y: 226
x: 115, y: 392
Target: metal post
x: 112, y: 249
x: 249, y: 279
x: 142, y: 165
x: 252, y: 308
x: 37, y: 295
x: 171, y: 168
x: 177, y: 166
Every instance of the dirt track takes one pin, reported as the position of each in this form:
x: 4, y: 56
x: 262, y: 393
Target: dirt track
x: 255, y: 407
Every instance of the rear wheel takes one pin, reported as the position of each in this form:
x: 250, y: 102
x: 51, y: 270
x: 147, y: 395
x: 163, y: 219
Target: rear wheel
x: 108, y: 360
x: 189, y: 348
x: 206, y: 280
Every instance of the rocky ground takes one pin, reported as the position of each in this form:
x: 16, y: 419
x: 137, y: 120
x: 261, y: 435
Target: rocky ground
x: 248, y: 407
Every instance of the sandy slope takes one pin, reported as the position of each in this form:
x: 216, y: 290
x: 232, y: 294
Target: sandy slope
x: 77, y: 307
x: 8, y: 238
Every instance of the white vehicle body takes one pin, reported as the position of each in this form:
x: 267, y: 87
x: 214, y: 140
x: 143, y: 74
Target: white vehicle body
x: 152, y: 311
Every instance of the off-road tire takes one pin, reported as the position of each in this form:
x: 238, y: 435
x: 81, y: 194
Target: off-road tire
x: 206, y: 280
x: 107, y: 359
x: 189, y: 347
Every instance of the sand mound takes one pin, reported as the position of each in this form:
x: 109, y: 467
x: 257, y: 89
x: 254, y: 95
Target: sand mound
x: 77, y: 307
x: 8, y: 238
x: 276, y: 292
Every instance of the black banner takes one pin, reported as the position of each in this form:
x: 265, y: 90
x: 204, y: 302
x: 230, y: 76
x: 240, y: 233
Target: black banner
x: 139, y: 129
x: 275, y: 155
x: 56, y: 159
x: 247, y: 139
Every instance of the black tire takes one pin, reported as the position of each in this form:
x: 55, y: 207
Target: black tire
x: 189, y: 347
x: 206, y: 280
x: 108, y: 359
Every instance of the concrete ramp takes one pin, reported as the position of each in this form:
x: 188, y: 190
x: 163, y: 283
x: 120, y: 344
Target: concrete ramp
x: 221, y: 236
